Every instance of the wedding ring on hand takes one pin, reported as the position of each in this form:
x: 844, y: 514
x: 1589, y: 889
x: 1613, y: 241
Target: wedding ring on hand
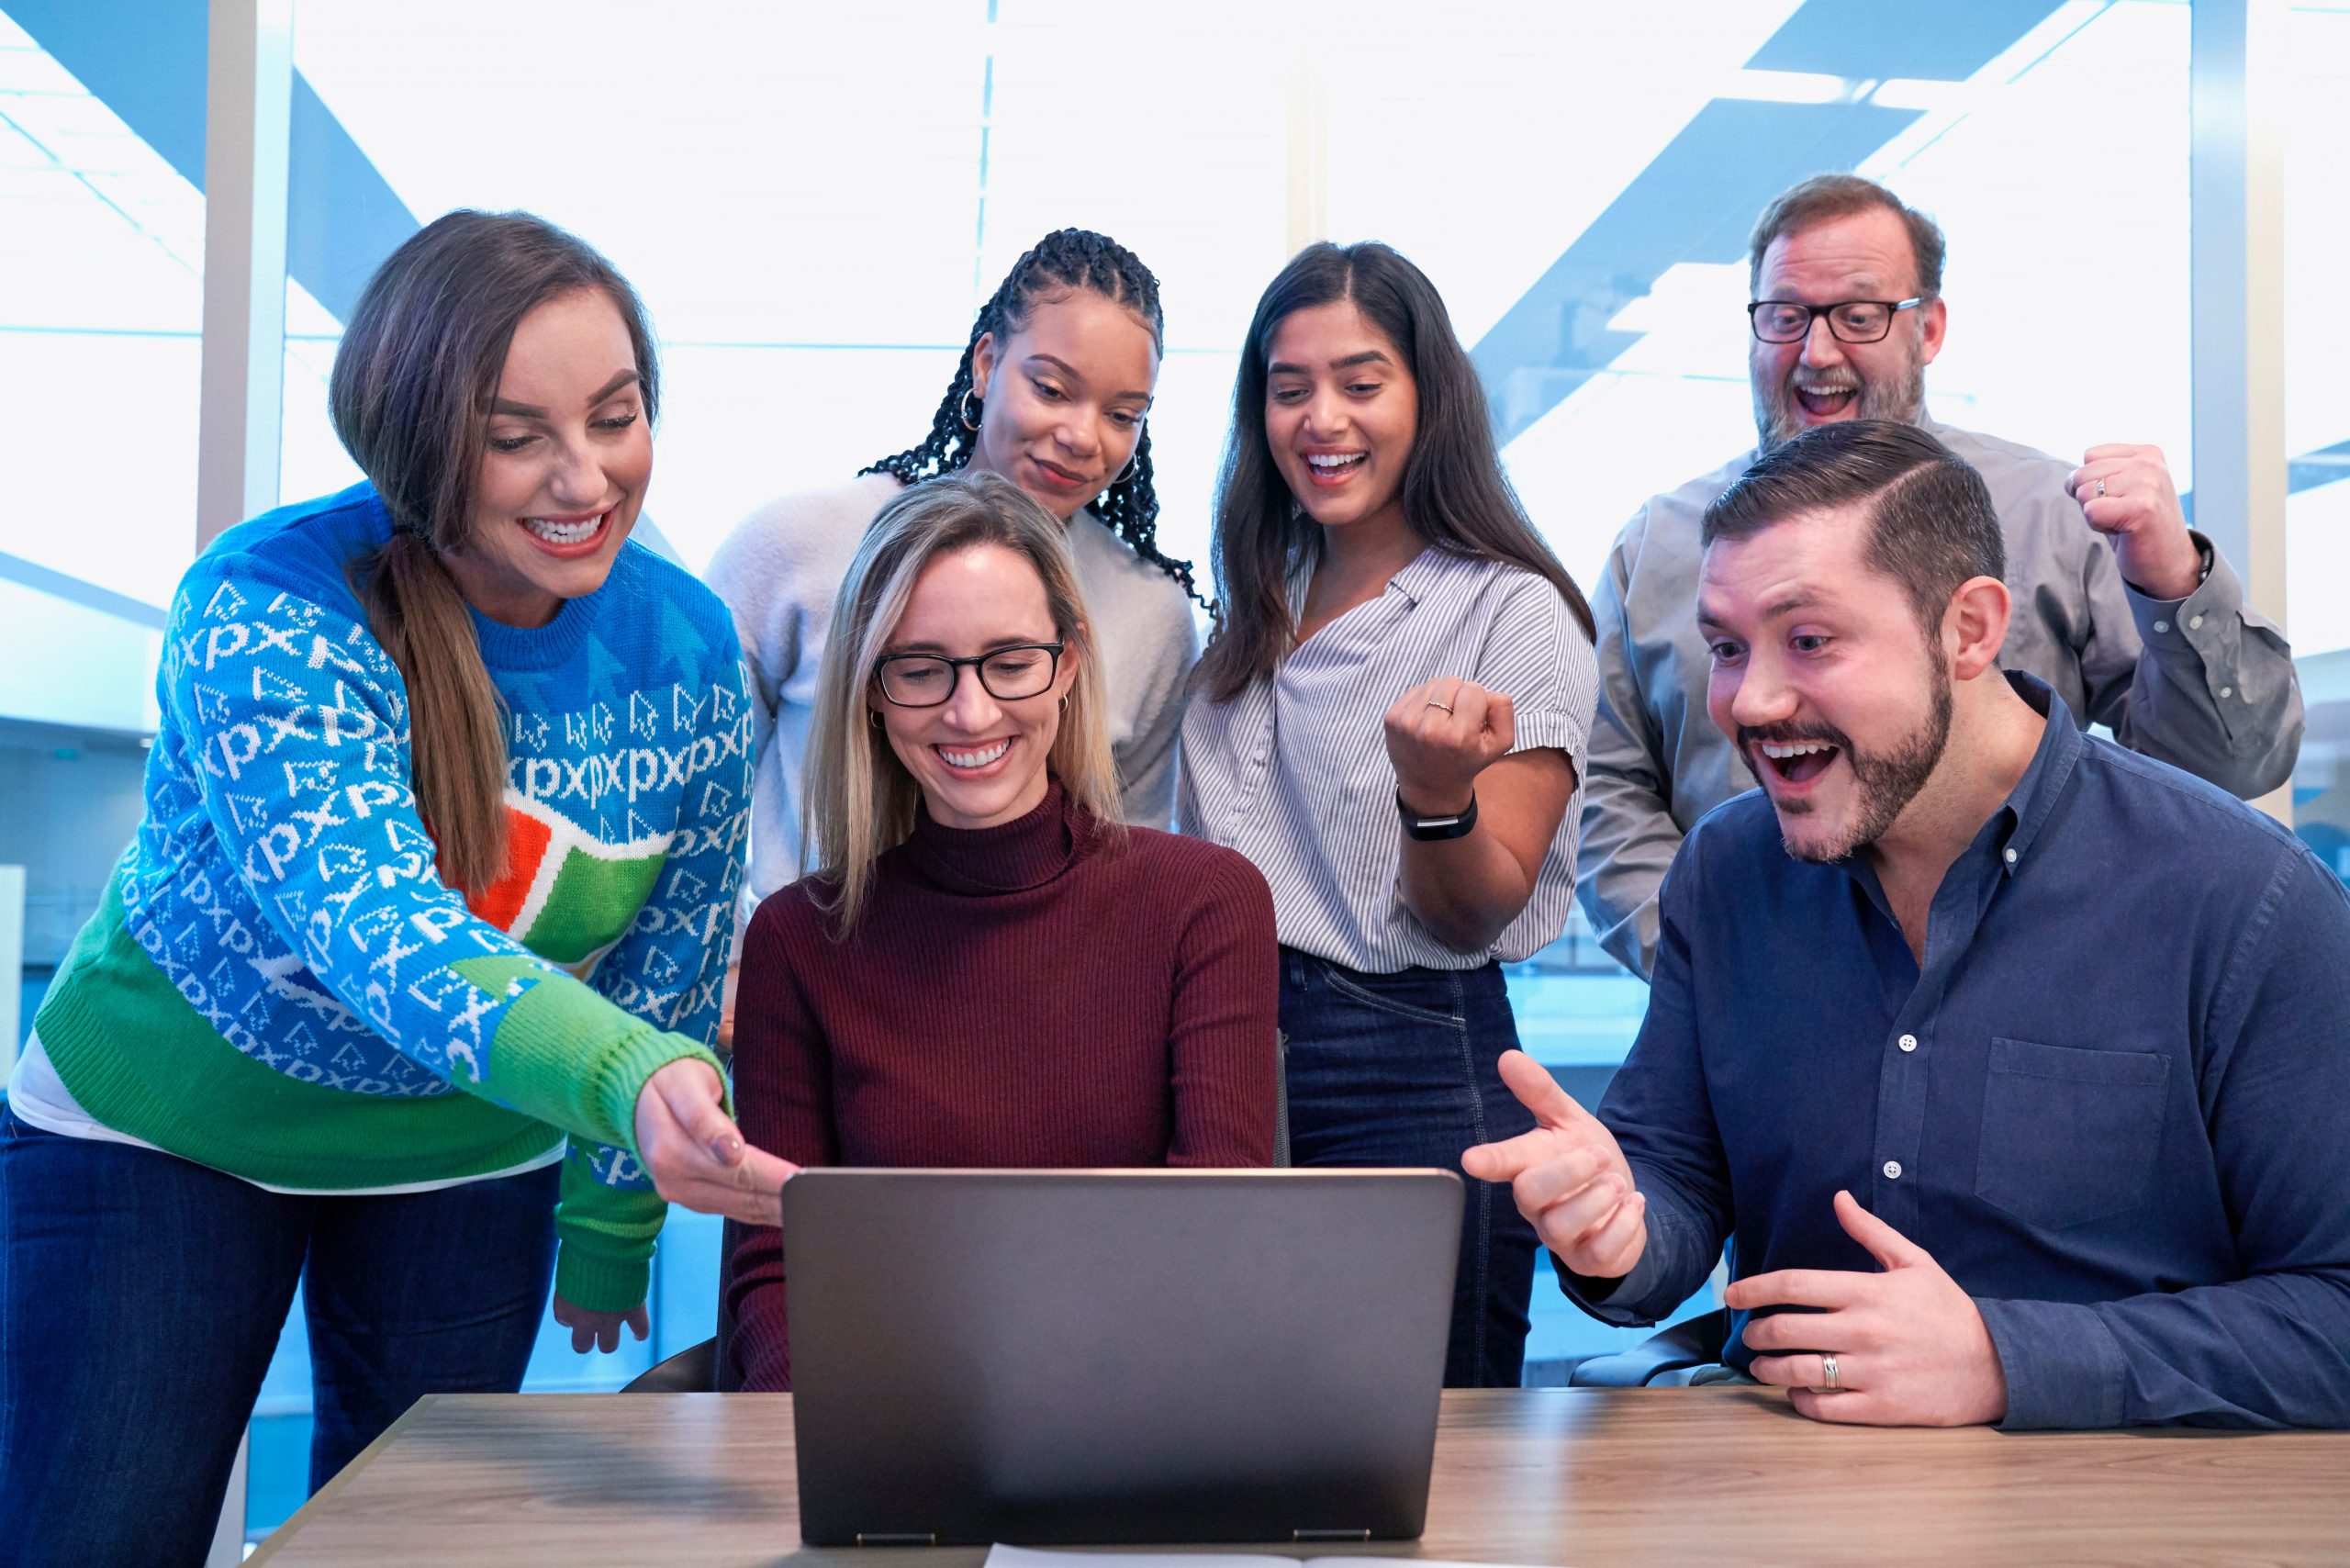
x: 1434, y: 703
x: 2100, y: 489
x: 1828, y: 1384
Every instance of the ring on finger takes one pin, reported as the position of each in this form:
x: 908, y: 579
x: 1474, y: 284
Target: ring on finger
x: 1432, y: 703
x: 1827, y: 1380
x: 2100, y: 489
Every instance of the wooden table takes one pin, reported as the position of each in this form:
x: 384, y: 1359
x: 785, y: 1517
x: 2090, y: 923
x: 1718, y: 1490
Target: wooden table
x: 1704, y: 1476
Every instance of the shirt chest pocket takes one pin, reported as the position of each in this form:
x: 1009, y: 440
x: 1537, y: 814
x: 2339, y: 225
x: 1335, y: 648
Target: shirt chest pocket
x: 2069, y: 1135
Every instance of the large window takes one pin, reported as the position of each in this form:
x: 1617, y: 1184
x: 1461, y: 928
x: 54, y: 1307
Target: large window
x: 2317, y: 420
x: 101, y: 300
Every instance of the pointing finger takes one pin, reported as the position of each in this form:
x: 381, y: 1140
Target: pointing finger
x: 1539, y: 1093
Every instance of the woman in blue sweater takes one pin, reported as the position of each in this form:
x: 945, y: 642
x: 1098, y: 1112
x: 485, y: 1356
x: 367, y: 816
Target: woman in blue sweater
x: 442, y: 829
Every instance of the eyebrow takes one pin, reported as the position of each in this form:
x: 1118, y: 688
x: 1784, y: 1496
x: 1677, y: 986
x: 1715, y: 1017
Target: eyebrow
x: 1367, y: 356
x: 528, y: 411
x: 994, y: 645
x: 1771, y: 612
x: 1074, y: 375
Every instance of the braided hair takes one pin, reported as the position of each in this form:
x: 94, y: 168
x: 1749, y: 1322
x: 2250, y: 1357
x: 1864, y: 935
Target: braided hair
x: 1064, y: 259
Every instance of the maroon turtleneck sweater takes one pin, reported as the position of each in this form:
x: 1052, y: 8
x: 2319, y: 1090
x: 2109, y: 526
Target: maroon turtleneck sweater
x: 1036, y: 995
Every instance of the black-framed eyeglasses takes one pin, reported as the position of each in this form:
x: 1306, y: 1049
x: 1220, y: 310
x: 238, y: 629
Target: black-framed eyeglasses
x: 926, y: 680
x: 1852, y: 321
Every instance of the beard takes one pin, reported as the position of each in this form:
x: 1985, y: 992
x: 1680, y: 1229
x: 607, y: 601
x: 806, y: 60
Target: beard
x: 1778, y: 419
x: 1883, y: 783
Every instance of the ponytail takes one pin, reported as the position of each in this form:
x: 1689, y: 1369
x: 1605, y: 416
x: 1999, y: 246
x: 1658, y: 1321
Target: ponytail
x: 456, y: 748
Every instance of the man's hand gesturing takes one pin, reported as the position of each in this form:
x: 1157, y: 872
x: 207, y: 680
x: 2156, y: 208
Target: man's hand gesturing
x: 1568, y: 1176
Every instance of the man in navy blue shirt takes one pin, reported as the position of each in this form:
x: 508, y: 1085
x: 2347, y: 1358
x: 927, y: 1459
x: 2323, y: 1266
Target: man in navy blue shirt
x: 2013, y: 1066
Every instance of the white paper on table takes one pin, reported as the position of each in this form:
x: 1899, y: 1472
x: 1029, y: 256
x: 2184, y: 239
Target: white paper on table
x: 1001, y: 1556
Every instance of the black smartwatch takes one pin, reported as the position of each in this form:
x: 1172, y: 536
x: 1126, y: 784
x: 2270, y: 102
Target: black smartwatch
x: 1424, y: 828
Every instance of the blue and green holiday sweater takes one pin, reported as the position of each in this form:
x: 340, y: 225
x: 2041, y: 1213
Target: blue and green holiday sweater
x: 279, y: 985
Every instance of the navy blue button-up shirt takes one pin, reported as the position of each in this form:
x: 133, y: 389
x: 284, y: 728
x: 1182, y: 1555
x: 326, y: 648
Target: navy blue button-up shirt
x: 2113, y: 1102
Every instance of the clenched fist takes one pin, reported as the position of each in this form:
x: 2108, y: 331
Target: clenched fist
x: 1440, y: 735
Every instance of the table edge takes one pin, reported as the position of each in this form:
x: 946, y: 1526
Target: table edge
x: 341, y: 1479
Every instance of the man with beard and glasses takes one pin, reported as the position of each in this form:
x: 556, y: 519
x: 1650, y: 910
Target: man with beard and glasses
x: 2128, y: 614
x: 2011, y: 1064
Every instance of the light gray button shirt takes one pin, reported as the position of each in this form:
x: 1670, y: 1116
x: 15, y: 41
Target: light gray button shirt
x: 2202, y: 683
x: 1293, y: 772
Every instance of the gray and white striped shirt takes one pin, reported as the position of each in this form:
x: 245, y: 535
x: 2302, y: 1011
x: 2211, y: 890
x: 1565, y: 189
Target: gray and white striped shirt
x: 1293, y: 772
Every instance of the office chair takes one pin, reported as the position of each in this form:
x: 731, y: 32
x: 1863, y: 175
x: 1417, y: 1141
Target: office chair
x: 1694, y: 1342
x: 701, y: 1368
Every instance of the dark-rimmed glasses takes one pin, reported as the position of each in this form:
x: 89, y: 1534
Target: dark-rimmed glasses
x: 1852, y: 321
x: 926, y: 680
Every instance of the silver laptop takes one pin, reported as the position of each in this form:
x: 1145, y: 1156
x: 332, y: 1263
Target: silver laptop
x: 1050, y: 1357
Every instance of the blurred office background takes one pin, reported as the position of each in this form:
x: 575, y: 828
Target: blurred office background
x: 813, y: 197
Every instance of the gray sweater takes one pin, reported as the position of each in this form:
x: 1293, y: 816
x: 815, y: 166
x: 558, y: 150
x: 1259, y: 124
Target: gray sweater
x: 779, y: 570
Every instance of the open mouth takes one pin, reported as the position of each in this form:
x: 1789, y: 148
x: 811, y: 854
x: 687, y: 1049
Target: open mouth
x: 972, y: 759
x: 1332, y: 467
x: 1826, y: 402
x: 568, y: 536
x: 1798, y: 762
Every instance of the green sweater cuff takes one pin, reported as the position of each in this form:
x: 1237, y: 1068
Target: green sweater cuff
x: 605, y: 1263
x: 596, y: 1282
x: 536, y: 1059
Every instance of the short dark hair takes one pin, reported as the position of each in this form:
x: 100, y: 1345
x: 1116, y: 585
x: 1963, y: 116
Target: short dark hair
x: 1931, y: 524
x: 1825, y: 196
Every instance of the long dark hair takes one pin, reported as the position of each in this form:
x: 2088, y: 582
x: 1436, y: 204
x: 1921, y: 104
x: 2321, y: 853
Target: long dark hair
x: 1455, y: 495
x: 1064, y: 259
x: 410, y: 392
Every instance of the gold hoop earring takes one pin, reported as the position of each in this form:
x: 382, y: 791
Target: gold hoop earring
x: 875, y: 715
x: 1064, y: 702
x: 963, y: 411
x: 1128, y: 471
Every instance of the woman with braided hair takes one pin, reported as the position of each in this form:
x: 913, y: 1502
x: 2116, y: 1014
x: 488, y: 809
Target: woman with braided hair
x: 1051, y: 393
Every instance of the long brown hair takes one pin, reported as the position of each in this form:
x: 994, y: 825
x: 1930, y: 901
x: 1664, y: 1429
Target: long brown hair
x: 413, y: 381
x: 860, y: 799
x: 1455, y: 495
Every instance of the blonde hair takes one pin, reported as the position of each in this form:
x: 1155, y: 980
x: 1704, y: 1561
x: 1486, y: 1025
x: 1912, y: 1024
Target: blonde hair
x: 860, y: 799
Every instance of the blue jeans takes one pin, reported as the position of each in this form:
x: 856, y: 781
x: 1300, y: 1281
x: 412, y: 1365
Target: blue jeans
x: 141, y: 1299
x: 1400, y: 1070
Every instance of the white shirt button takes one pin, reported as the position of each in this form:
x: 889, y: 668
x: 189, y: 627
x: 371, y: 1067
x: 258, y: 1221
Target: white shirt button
x: 1908, y: 1042
x: 1893, y: 1170
x: 2162, y: 626
x: 2193, y: 622
x: 2227, y: 691
x: 2011, y: 854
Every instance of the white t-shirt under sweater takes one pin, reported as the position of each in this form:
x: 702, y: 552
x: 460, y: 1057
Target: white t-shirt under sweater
x: 779, y: 571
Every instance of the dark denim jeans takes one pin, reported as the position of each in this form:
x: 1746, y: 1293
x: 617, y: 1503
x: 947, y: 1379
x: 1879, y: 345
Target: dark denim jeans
x: 140, y: 1299
x: 1399, y: 1070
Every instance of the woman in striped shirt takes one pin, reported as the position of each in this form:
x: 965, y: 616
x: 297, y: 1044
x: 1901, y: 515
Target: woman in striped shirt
x: 1390, y: 723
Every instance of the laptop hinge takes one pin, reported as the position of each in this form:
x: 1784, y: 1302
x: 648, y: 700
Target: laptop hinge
x: 1329, y: 1535
x: 898, y: 1537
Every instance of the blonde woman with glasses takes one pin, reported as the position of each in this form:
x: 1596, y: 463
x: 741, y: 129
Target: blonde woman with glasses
x: 985, y: 968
